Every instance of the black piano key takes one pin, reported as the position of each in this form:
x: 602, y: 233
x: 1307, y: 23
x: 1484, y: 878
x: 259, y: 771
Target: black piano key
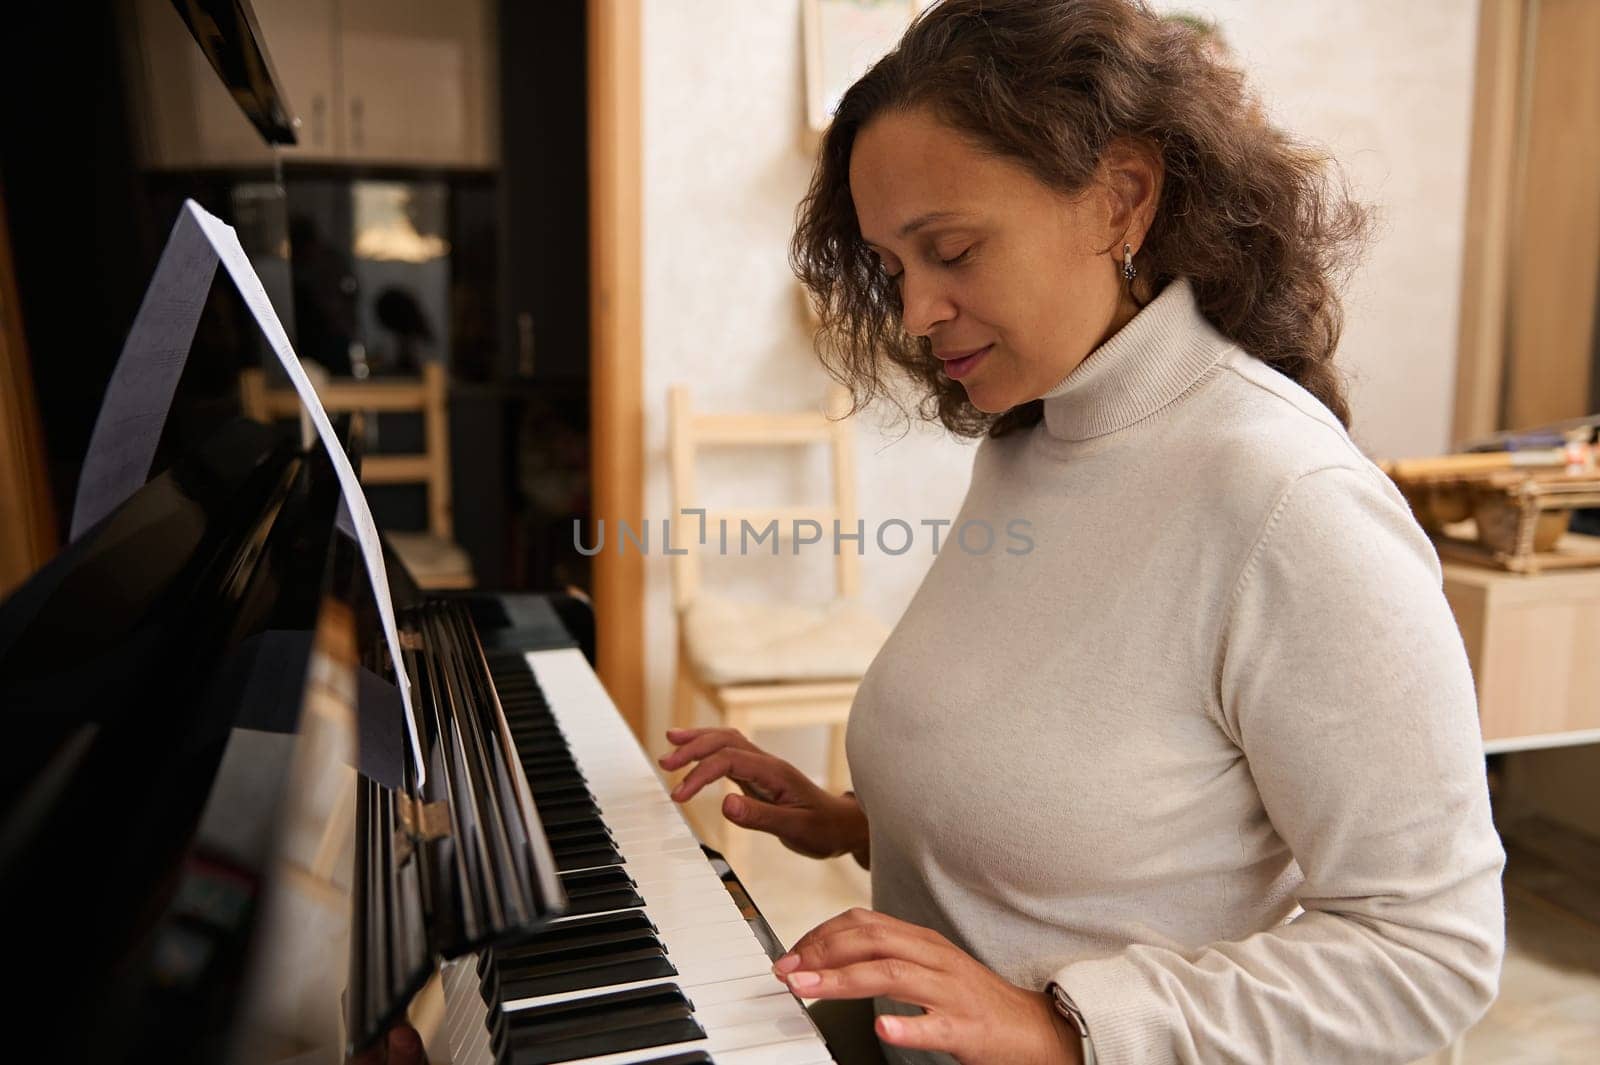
x: 598, y: 935
x: 602, y: 902
x: 578, y: 831
x: 576, y: 1016
x: 579, y: 837
x: 576, y: 826
x: 551, y: 776
x: 588, y: 931
x: 590, y: 880
x: 557, y: 794
x: 545, y: 755
x: 694, y: 1057
x: 570, y: 819
x: 580, y: 974
x: 587, y: 858
x: 599, y: 943
x: 558, y: 813
x: 584, y: 853
x: 594, y: 891
x: 602, y: 1024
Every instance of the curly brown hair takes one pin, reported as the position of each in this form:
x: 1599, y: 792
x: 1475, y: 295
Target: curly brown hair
x: 1260, y: 224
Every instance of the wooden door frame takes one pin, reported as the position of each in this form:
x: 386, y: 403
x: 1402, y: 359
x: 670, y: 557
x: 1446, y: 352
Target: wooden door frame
x: 27, y: 516
x: 1491, y: 195
x: 616, y: 360
x: 1517, y: 256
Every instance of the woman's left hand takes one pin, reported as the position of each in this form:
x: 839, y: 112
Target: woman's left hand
x: 971, y: 1013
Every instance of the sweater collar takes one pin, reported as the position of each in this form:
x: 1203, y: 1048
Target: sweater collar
x: 1146, y: 365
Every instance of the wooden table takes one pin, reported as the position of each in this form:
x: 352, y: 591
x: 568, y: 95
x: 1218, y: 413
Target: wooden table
x: 1534, y: 644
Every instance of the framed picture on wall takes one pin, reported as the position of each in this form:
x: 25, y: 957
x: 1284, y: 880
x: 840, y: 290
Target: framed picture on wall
x: 842, y: 39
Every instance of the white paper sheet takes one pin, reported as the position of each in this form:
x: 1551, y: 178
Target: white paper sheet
x: 142, y: 385
x: 146, y: 375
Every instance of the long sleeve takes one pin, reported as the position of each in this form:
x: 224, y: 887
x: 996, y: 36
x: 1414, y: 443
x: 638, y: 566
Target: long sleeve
x: 1342, y: 680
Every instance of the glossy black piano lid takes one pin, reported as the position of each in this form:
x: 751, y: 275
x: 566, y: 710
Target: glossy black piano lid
x: 132, y: 852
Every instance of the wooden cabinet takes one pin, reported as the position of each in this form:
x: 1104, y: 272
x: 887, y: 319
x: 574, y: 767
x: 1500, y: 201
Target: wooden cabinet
x: 186, y: 118
x: 1534, y: 644
x: 418, y: 82
x: 400, y: 82
x: 300, y: 38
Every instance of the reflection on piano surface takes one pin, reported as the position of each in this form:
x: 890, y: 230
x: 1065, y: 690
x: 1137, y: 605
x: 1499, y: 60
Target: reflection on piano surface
x: 212, y: 846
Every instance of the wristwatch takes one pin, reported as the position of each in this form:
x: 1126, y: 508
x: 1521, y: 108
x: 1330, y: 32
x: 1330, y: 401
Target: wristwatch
x: 1074, y: 1017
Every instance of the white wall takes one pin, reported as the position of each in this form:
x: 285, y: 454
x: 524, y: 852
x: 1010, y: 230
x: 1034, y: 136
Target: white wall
x: 1388, y: 88
x: 1385, y: 85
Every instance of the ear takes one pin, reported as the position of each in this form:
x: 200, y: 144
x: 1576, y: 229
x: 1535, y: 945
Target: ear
x: 1131, y: 173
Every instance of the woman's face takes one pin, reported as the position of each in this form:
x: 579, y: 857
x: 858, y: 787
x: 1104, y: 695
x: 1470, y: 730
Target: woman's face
x: 1012, y: 282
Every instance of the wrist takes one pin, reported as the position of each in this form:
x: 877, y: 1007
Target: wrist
x: 851, y: 828
x: 1061, y: 1042
x: 1072, y: 1030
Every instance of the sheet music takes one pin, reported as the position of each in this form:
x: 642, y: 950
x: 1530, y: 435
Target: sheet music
x: 142, y: 385
x: 146, y: 375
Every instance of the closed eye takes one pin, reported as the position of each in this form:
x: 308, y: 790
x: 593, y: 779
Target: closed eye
x: 954, y: 261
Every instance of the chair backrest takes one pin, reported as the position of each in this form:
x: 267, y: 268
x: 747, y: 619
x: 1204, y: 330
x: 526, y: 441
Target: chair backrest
x: 689, y: 431
x: 423, y: 395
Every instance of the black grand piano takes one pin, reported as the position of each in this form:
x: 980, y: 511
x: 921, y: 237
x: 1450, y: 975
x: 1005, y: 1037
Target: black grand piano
x: 213, y: 842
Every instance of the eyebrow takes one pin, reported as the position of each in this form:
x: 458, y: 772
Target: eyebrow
x: 919, y: 222
x: 926, y: 219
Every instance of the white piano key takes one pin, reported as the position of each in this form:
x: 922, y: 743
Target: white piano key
x: 749, y: 1015
x: 794, y: 1052
x: 778, y: 1004
x: 796, y: 1026
x: 691, y: 978
x: 808, y: 1051
x: 747, y: 987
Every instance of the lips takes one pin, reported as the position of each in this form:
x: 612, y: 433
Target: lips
x: 957, y: 364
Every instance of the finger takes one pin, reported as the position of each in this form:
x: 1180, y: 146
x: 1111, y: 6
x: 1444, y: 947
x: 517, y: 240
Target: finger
x: 851, y: 919
x: 782, y: 821
x: 894, y: 978
x: 931, y: 1031
x: 741, y: 766
x: 681, y: 735
x: 698, y: 747
x: 870, y: 940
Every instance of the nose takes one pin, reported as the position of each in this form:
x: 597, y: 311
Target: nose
x: 923, y: 303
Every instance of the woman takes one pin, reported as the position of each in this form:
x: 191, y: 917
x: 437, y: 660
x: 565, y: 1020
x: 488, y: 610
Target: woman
x: 1198, y: 778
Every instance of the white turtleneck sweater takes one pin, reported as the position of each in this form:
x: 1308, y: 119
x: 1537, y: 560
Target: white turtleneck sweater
x: 1207, y: 756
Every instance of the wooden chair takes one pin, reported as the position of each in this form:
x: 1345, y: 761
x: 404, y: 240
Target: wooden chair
x: 432, y: 557
x: 765, y: 666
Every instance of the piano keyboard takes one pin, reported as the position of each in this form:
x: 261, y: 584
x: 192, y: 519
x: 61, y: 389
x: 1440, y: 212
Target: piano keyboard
x: 653, y: 961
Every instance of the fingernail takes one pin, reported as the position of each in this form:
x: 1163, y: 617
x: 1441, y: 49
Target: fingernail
x: 804, y: 980
x: 735, y: 806
x: 677, y: 792
x: 786, y: 963
x: 891, y: 1025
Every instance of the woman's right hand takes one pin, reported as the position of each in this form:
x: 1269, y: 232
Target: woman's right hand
x: 778, y: 798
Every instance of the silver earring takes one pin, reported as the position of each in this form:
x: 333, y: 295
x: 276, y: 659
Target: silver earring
x: 1129, y: 271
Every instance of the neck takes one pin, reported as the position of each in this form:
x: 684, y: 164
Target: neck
x: 1125, y: 312
x: 1150, y: 358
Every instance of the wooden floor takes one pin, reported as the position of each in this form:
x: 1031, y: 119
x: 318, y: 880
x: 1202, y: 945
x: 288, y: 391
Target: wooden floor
x: 1548, y: 1012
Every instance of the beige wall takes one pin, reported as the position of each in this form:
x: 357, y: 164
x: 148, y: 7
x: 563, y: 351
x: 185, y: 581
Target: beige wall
x: 1385, y: 85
